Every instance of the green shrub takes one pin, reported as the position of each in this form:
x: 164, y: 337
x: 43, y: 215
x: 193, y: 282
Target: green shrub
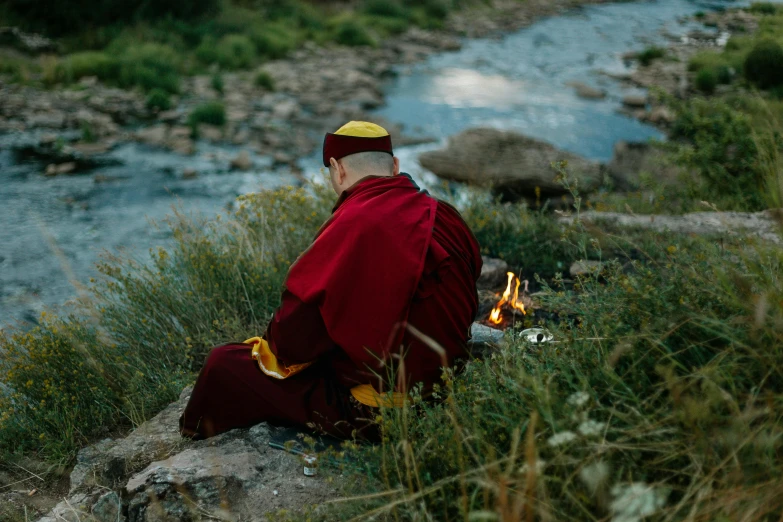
x: 235, y: 51
x: 273, y: 41
x: 763, y: 8
x: 715, y: 138
x: 59, y: 18
x: 651, y: 54
x: 706, y: 81
x: 350, y: 32
x: 436, y: 9
x: 89, y: 63
x: 764, y: 64
x: 158, y: 100
x: 212, y: 113
x: 385, y: 8
x: 217, y: 83
x: 264, y: 80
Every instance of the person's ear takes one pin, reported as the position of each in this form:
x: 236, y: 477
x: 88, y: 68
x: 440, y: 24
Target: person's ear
x: 396, y: 170
x: 337, y: 169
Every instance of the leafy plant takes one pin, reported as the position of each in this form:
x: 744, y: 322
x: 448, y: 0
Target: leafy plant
x: 158, y: 100
x: 706, y: 81
x: 764, y: 64
x: 264, y: 80
x: 212, y: 113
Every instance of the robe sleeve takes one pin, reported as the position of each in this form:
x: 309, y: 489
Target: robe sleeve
x: 297, y: 333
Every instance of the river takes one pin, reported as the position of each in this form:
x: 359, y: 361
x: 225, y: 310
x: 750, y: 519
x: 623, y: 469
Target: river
x: 52, y: 230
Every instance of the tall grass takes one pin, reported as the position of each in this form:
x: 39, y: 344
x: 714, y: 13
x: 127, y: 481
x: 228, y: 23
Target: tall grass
x: 661, y: 398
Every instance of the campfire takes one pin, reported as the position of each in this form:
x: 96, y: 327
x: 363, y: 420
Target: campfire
x: 506, y: 301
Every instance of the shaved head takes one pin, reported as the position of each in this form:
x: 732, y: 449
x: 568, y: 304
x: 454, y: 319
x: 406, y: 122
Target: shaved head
x: 370, y: 164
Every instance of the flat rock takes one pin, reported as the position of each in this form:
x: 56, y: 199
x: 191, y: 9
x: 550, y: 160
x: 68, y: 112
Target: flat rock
x: 635, y: 101
x: 514, y: 165
x: 242, y: 161
x: 766, y: 225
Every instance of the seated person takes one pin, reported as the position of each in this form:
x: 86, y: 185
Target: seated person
x: 388, y: 287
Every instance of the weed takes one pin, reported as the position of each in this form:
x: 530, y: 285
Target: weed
x: 212, y: 113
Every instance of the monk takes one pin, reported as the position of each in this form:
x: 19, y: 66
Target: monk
x: 380, y: 302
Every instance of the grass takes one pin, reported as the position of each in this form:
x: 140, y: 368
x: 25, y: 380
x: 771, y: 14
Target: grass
x: 211, y: 113
x: 651, y: 54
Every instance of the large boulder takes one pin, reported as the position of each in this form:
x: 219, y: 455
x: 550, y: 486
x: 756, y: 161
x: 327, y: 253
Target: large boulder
x: 515, y: 165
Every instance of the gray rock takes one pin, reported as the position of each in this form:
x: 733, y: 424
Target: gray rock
x: 154, y: 135
x: 242, y: 161
x: 635, y: 101
x: 493, y: 273
x: 766, y: 225
x: 108, y: 508
x: 515, y: 165
x: 587, y: 92
x: 27, y: 42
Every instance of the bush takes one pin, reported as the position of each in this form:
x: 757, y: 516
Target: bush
x: 212, y: 113
x: 706, y: 81
x: 352, y: 33
x: 89, y: 63
x: 264, y: 80
x: 763, y: 8
x: 150, y: 66
x: 651, y: 54
x: 235, y: 51
x: 59, y: 18
x: 158, y: 100
x: 217, y: 83
x: 385, y: 8
x: 436, y: 9
x: 715, y: 139
x: 764, y: 64
x: 273, y: 41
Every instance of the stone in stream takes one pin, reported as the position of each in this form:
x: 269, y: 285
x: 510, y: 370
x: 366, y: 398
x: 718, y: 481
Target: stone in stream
x: 587, y: 92
x: 635, y: 101
x: 514, y: 165
x: 242, y: 161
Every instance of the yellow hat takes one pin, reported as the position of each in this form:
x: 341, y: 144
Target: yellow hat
x: 355, y: 137
x: 362, y: 129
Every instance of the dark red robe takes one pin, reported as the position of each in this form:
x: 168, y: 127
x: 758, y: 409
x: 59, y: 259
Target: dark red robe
x: 390, y: 256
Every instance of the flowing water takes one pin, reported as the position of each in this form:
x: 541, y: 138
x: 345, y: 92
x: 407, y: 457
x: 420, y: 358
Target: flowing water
x: 52, y: 230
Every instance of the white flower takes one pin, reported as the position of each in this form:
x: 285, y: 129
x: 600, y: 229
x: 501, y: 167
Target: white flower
x: 594, y: 476
x: 633, y: 502
x: 578, y: 399
x: 540, y: 465
x: 591, y: 428
x: 558, y: 439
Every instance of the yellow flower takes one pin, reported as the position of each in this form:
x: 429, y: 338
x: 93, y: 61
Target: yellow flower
x: 671, y: 249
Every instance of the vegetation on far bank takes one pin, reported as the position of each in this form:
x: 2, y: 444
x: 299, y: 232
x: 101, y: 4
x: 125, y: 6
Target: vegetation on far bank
x: 158, y: 42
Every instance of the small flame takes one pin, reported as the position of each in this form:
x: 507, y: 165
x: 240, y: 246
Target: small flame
x: 515, y: 304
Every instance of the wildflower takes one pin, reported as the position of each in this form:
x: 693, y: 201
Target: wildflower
x: 558, y: 439
x: 635, y: 501
x: 578, y: 399
x: 671, y: 249
x: 591, y: 428
x: 594, y: 476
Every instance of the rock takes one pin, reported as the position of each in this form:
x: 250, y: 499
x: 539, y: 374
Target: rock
x: 282, y: 158
x: 241, y: 137
x: 635, y: 158
x: 169, y: 116
x: 49, y: 120
x: 63, y: 168
x: 103, y: 178
x: 635, y: 101
x: 514, y: 164
x: 242, y: 161
x: 182, y: 146
x: 586, y: 91
x: 493, y: 273
x: 765, y: 225
x: 92, y: 149
x: 108, y: 508
x: 585, y: 268
x: 210, y: 132
x: 189, y: 173
x: 154, y: 135
x: 110, y: 461
x: 285, y: 110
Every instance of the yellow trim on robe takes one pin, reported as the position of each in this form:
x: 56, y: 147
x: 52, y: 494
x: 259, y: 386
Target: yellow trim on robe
x: 368, y: 396
x: 364, y: 393
x: 362, y: 129
x: 269, y: 363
